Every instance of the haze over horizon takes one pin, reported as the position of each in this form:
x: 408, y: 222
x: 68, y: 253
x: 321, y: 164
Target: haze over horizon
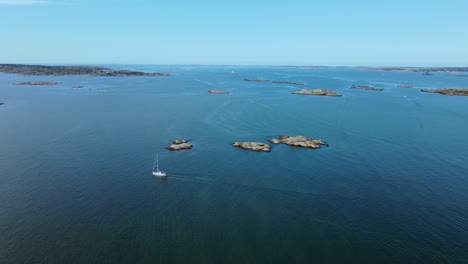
x: 335, y: 33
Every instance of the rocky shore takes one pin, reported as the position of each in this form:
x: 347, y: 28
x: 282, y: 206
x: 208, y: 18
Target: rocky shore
x: 299, y: 141
x: 179, y: 145
x: 449, y: 91
x: 38, y: 83
x: 218, y: 92
x: 254, y: 146
x: 365, y: 87
x: 22, y: 69
x: 317, y: 92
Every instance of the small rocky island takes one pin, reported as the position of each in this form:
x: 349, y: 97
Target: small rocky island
x: 299, y: 141
x: 365, y: 87
x: 254, y: 146
x: 38, y: 83
x: 44, y: 70
x: 77, y: 86
x: 218, y: 92
x: 179, y: 145
x: 449, y: 91
x: 295, y: 83
x: 255, y: 80
x: 317, y: 92
x: 405, y: 86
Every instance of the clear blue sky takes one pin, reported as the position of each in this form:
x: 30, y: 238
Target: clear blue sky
x: 261, y: 32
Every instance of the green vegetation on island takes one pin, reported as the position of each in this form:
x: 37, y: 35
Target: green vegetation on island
x: 44, y: 70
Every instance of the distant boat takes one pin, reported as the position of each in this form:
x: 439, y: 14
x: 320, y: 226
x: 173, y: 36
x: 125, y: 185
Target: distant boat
x: 234, y: 73
x: 427, y: 73
x: 158, y: 172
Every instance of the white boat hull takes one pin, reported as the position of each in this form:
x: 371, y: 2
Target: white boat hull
x: 159, y: 174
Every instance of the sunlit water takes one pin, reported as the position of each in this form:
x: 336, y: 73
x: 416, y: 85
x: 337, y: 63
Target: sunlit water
x: 76, y: 183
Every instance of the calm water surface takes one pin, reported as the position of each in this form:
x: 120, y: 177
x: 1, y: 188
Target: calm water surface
x: 76, y: 184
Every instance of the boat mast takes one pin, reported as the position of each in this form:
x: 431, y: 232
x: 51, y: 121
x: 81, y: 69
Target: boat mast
x: 154, y: 163
x: 157, y: 161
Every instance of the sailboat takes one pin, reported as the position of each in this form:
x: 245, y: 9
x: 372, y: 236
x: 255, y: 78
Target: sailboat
x: 158, y: 172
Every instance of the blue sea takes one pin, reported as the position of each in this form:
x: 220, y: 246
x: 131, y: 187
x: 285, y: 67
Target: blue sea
x: 76, y: 183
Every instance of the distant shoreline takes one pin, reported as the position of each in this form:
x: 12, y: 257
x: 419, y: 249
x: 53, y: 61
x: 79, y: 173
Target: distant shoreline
x: 43, y: 70
x: 416, y: 69
x: 58, y: 70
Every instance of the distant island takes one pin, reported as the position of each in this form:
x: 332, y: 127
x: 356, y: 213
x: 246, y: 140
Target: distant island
x: 43, y: 70
x: 317, y: 92
x: 449, y: 91
x: 365, y: 87
x: 295, y: 83
x: 218, y: 92
x: 418, y: 69
x: 255, y: 80
x: 38, y: 83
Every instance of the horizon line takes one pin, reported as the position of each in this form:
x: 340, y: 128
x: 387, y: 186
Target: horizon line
x: 238, y: 65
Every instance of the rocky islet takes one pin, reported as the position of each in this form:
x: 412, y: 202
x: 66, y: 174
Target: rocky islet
x: 38, y: 83
x: 300, y: 141
x: 365, y: 87
x: 254, y: 146
x: 317, y: 92
x: 179, y: 145
x: 218, y: 92
x: 449, y: 91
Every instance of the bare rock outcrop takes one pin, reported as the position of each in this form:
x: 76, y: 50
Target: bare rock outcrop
x: 254, y: 146
x: 317, y: 92
x: 295, y: 83
x: 255, y: 80
x: 300, y: 141
x: 365, y: 87
x: 179, y: 145
x: 449, y: 91
x: 218, y: 92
